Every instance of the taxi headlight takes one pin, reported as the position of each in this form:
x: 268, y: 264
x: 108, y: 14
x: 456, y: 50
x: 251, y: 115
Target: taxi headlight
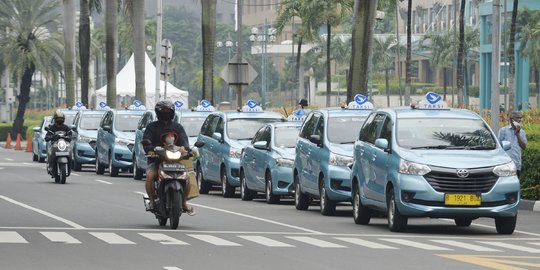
x: 285, y: 162
x: 62, y: 145
x: 173, y: 155
x: 235, y: 153
x: 123, y: 141
x: 339, y: 160
x: 83, y: 139
x: 508, y: 169
x: 407, y: 167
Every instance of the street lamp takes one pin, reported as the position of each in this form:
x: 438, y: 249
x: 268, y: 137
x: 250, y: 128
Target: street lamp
x: 268, y: 35
x: 229, y: 45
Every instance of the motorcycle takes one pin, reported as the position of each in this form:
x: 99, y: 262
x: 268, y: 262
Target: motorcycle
x: 172, y: 178
x: 58, y: 151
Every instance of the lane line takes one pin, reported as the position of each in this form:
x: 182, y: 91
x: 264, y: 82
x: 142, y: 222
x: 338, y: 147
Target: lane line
x: 9, y: 159
x: 364, y: 243
x: 61, y: 237
x: 75, y: 174
x: 141, y: 193
x: 12, y: 238
x: 414, y: 244
x: 315, y: 242
x: 163, y: 239
x: 103, y: 181
x: 45, y: 213
x: 511, y: 246
x: 171, y: 268
x: 258, y: 218
x: 112, y: 238
x: 466, y: 245
x: 214, y: 240
x: 265, y: 241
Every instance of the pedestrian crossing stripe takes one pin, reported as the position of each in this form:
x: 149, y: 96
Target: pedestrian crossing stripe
x: 378, y: 243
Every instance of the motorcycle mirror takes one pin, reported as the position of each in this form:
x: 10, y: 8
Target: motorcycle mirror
x: 199, y: 144
x: 47, y: 128
x: 146, y: 142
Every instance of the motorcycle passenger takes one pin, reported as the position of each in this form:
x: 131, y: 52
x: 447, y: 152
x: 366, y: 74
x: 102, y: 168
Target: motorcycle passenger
x: 58, y: 125
x: 155, y: 133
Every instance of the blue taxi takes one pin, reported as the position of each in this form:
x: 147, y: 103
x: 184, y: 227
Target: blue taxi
x: 115, y: 140
x: 224, y: 134
x: 431, y: 161
x: 85, y: 126
x: 266, y: 163
x: 39, y: 146
x: 323, y: 151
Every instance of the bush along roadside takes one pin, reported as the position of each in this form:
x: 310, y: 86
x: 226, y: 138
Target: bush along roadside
x: 530, y: 175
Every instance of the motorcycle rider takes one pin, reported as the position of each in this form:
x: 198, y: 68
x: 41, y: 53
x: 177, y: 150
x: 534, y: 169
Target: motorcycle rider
x: 158, y: 133
x: 58, y: 125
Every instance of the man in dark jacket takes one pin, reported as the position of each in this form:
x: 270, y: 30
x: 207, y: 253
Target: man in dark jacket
x: 58, y: 125
x: 156, y: 133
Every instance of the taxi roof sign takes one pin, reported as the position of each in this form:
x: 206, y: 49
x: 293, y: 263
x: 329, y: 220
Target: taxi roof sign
x: 360, y: 102
x: 297, y: 115
x: 432, y: 101
x: 137, y: 105
x: 178, y: 104
x: 205, y: 106
x: 103, y: 106
x: 252, y: 106
x: 78, y: 106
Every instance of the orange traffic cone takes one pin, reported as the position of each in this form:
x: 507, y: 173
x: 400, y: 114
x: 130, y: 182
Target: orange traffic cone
x: 29, y: 145
x: 18, y: 142
x: 8, y: 141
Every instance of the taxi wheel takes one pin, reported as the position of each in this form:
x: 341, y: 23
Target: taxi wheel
x: 226, y: 188
x: 77, y: 166
x: 301, y: 201
x: 137, y: 172
x: 35, y: 157
x: 99, y: 168
x: 328, y: 207
x: 41, y: 160
x: 204, y: 187
x: 113, y: 171
x: 270, y: 197
x: 245, y: 193
x: 505, y: 225
x: 463, y: 222
x: 396, y: 222
x: 361, y: 214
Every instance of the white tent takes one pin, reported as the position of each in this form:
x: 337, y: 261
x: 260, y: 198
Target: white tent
x: 125, y: 86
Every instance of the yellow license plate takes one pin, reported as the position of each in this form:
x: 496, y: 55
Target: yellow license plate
x: 462, y: 199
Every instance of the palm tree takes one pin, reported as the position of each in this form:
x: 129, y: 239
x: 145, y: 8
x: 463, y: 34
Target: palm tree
x: 530, y: 43
x: 362, y: 37
x: 208, y: 44
x: 69, y: 50
x: 111, y: 41
x: 28, y: 45
x: 472, y: 40
x: 135, y: 12
x: 383, y: 57
x: 460, y: 53
x: 86, y: 7
x: 511, y: 57
x: 442, y: 53
x: 408, y: 55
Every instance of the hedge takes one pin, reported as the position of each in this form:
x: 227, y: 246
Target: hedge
x: 530, y: 175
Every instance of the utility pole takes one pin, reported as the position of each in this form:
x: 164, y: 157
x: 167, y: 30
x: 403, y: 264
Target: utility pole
x: 158, y: 48
x: 239, y: 50
x: 495, y: 60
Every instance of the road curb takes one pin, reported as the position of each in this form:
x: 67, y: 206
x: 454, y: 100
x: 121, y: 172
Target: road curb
x: 529, y: 205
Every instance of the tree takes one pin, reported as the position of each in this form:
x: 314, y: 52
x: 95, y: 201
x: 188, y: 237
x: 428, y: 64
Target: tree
x: 86, y: 7
x: 512, y: 58
x: 461, y: 53
x: 135, y: 12
x: 442, y: 53
x: 383, y: 58
x: 69, y: 50
x: 362, y: 42
x: 111, y: 41
x: 28, y: 45
x: 208, y: 44
x: 530, y: 44
x: 408, y: 55
x: 472, y: 40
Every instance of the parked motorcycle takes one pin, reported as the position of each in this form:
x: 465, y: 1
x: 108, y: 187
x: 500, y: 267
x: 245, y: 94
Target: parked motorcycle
x: 58, y: 153
x: 172, y: 178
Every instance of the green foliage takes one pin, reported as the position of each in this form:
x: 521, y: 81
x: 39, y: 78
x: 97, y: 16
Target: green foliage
x: 530, y: 175
x: 6, y: 128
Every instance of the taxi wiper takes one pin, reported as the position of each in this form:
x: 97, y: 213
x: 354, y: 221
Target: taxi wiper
x: 346, y: 142
x: 481, y: 147
x: 432, y: 147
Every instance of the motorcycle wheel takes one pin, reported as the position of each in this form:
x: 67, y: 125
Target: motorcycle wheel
x: 54, y: 171
x: 162, y: 221
x: 175, y: 208
x: 63, y: 172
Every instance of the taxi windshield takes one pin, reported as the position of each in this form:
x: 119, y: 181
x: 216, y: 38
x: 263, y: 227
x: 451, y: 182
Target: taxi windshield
x: 126, y: 122
x: 69, y: 119
x: 90, y: 121
x: 192, y: 125
x: 344, y: 129
x: 245, y: 128
x: 430, y: 133
x: 285, y: 137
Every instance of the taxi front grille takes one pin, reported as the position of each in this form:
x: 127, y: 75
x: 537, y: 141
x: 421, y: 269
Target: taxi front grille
x: 478, y: 180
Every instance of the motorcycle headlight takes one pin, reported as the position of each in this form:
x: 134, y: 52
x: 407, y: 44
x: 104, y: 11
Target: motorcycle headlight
x: 339, y: 160
x: 62, y: 145
x: 284, y: 162
x: 123, y: 141
x: 407, y: 167
x: 235, y: 153
x: 83, y: 139
x: 508, y: 169
x: 173, y: 155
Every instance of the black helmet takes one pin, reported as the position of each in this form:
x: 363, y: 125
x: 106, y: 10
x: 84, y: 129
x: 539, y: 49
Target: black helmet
x: 59, y: 117
x: 303, y: 102
x: 164, y: 110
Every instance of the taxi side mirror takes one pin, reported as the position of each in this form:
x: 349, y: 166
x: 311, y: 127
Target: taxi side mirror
x: 217, y: 136
x: 261, y: 145
x: 381, y: 143
x: 506, y: 145
x: 107, y: 128
x: 316, y: 139
x: 199, y: 144
x: 36, y: 129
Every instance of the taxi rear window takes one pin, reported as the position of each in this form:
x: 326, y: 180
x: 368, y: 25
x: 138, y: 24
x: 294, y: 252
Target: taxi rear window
x: 245, y: 128
x: 344, y: 129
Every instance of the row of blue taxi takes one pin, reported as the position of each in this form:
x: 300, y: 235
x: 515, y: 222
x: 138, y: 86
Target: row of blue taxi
x: 420, y: 161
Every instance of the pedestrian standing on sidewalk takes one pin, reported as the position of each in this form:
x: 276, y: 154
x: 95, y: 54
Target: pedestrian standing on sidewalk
x: 516, y: 136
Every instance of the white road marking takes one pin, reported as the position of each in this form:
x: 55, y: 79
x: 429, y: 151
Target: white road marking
x: 265, y: 241
x: 171, y: 268
x: 61, y: 237
x: 75, y: 174
x: 27, y: 163
x: 511, y: 246
x: 214, y: 240
x: 9, y: 159
x: 258, y: 218
x: 12, y: 237
x: 315, y: 242
x: 45, y: 213
x: 163, y: 239
x: 465, y: 245
x: 537, y: 244
x: 364, y: 243
x: 103, y: 181
x: 112, y: 238
x: 414, y: 244
x: 141, y: 193
x: 1, y: 168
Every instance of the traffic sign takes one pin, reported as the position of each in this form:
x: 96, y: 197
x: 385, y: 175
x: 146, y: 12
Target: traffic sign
x: 238, y: 72
x: 166, y: 50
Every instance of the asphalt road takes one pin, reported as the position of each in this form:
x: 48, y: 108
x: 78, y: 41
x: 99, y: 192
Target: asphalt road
x: 99, y: 222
